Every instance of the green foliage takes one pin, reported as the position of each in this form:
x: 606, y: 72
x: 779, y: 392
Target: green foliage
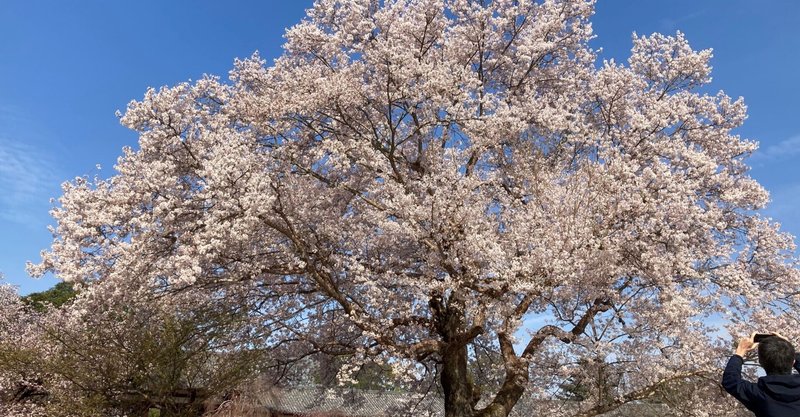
x: 142, y: 357
x: 60, y: 294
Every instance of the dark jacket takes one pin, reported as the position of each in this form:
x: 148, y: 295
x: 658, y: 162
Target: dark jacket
x: 772, y: 396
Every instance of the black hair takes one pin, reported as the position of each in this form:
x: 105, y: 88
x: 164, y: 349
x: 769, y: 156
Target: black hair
x: 776, y: 356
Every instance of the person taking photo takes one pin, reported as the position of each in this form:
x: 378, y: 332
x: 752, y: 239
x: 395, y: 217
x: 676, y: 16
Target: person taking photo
x: 778, y: 393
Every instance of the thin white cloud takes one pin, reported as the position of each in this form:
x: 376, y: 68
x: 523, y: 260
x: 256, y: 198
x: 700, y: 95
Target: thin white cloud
x: 27, y: 172
x: 670, y: 25
x: 786, y: 148
x: 784, y: 208
x: 26, y: 178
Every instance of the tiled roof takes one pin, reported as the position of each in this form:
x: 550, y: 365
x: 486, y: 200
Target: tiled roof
x: 353, y: 402
x: 366, y: 403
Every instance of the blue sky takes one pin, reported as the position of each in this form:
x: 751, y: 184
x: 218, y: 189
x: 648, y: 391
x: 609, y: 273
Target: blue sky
x: 65, y: 67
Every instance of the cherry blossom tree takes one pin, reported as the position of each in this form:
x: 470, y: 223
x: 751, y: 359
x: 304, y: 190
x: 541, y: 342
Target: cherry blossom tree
x: 10, y: 308
x: 413, y: 181
x: 20, y: 377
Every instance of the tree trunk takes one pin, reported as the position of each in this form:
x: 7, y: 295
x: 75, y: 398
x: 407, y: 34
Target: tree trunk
x: 457, y: 383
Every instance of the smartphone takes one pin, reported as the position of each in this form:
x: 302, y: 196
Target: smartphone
x: 759, y: 337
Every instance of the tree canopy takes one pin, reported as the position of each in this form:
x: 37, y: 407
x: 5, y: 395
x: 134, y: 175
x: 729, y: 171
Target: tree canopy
x: 58, y: 295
